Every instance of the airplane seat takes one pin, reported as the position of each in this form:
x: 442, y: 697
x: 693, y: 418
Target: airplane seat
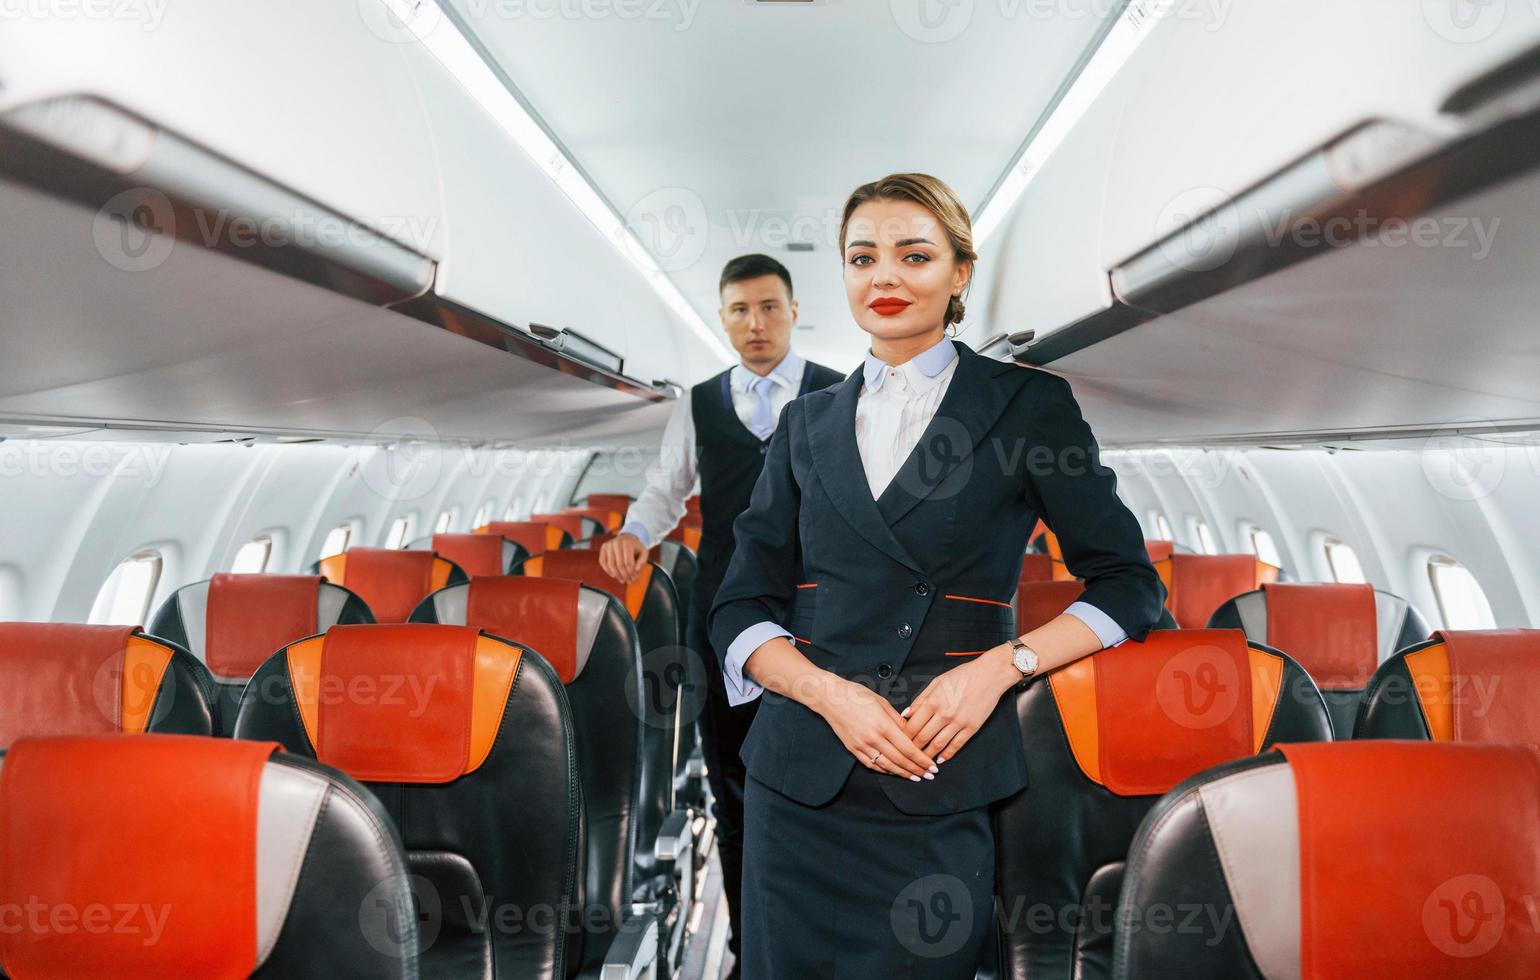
x: 466, y: 740
x: 265, y: 865
x: 476, y: 554
x: 1105, y: 738
x: 1037, y: 567
x: 1197, y: 585
x: 1158, y: 549
x: 615, y: 503
x: 1350, y: 859
x: 60, y: 679
x: 1039, y: 602
x: 233, y: 623
x: 674, y: 682
x: 1457, y: 686
x: 1047, y: 543
x: 1340, y: 634
x: 681, y: 566
x: 687, y: 535
x: 592, y: 644
x: 580, y: 526
x: 535, y: 537
x: 607, y: 519
x: 390, y: 581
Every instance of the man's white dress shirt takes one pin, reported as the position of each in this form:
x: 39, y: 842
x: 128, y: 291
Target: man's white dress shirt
x: 895, y: 405
x: 671, y: 477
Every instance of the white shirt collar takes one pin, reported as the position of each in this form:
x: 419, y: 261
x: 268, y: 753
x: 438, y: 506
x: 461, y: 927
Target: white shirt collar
x: 921, y: 372
x: 786, y: 374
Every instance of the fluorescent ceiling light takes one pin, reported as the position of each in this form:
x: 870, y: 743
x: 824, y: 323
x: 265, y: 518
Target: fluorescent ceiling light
x: 1134, y: 24
x: 439, y: 34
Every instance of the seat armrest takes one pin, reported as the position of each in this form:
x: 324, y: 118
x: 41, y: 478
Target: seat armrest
x: 634, y: 953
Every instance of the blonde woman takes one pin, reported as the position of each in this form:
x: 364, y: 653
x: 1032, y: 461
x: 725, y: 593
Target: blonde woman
x: 868, y: 602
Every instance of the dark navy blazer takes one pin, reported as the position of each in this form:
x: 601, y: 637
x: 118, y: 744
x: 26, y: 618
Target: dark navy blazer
x: 894, y: 591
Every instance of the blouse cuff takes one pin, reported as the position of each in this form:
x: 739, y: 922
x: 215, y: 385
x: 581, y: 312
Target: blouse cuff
x: 740, y: 688
x: 1104, y: 626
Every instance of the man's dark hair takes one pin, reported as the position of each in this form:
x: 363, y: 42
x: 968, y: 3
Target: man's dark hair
x: 746, y: 267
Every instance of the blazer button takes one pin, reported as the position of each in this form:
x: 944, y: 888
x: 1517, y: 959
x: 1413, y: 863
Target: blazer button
x: 884, y: 670
x: 763, y: 450
x: 905, y: 630
x: 921, y: 588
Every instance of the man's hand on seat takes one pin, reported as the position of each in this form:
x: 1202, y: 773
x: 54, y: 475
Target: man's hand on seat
x: 623, y: 557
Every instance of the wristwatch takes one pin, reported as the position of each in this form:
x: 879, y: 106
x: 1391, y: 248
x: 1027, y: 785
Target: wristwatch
x: 1024, y: 658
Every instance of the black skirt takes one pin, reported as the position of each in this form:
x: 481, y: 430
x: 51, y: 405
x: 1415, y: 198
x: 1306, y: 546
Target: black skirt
x: 859, y: 890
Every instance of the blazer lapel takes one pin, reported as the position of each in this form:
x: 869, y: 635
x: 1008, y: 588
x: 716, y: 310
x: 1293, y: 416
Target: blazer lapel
x: 831, y: 429
x: 980, y: 389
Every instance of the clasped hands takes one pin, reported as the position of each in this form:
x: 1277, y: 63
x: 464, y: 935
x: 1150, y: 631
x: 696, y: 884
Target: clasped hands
x: 935, y: 726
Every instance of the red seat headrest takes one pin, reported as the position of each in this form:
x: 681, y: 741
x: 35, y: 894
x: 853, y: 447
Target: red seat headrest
x: 130, y: 852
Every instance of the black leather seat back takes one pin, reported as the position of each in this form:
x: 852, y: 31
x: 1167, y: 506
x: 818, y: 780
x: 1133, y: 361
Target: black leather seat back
x: 592, y: 645
x: 1339, y: 633
x: 1104, y: 738
x: 267, y: 620
x: 467, y: 741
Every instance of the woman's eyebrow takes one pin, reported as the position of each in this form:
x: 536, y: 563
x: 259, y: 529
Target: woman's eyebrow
x: 915, y: 241
x: 860, y: 244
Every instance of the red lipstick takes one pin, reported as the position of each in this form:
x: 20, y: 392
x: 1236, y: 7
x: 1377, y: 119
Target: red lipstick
x: 889, y: 306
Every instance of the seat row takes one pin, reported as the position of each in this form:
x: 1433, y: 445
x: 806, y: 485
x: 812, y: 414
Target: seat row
x: 517, y: 781
x: 1162, y: 780
x: 1340, y: 633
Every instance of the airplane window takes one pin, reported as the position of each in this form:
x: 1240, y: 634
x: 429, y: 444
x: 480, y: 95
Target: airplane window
x: 253, y: 557
x: 1264, y: 548
x: 1343, y: 562
x: 444, y: 521
x: 1163, y: 526
x: 1461, y: 601
x: 398, y: 531
x: 337, y: 540
x: 1206, y: 539
x: 482, y: 516
x: 125, y: 597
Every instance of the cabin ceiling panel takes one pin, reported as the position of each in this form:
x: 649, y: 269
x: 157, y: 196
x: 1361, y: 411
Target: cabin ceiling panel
x: 725, y: 128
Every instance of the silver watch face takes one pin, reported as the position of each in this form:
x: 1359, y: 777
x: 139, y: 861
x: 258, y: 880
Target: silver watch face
x: 1024, y: 658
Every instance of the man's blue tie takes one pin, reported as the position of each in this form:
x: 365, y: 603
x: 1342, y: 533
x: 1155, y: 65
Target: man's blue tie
x: 762, y: 423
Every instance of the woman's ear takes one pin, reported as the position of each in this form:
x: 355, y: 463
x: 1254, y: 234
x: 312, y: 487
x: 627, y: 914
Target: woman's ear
x: 961, y: 276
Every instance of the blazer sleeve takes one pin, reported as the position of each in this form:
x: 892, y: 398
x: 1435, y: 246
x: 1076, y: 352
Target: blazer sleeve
x: 1076, y: 495
x: 762, y: 575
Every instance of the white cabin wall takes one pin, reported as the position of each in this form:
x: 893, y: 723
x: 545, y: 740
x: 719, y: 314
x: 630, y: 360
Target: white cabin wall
x: 1395, y: 509
x: 73, y: 511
